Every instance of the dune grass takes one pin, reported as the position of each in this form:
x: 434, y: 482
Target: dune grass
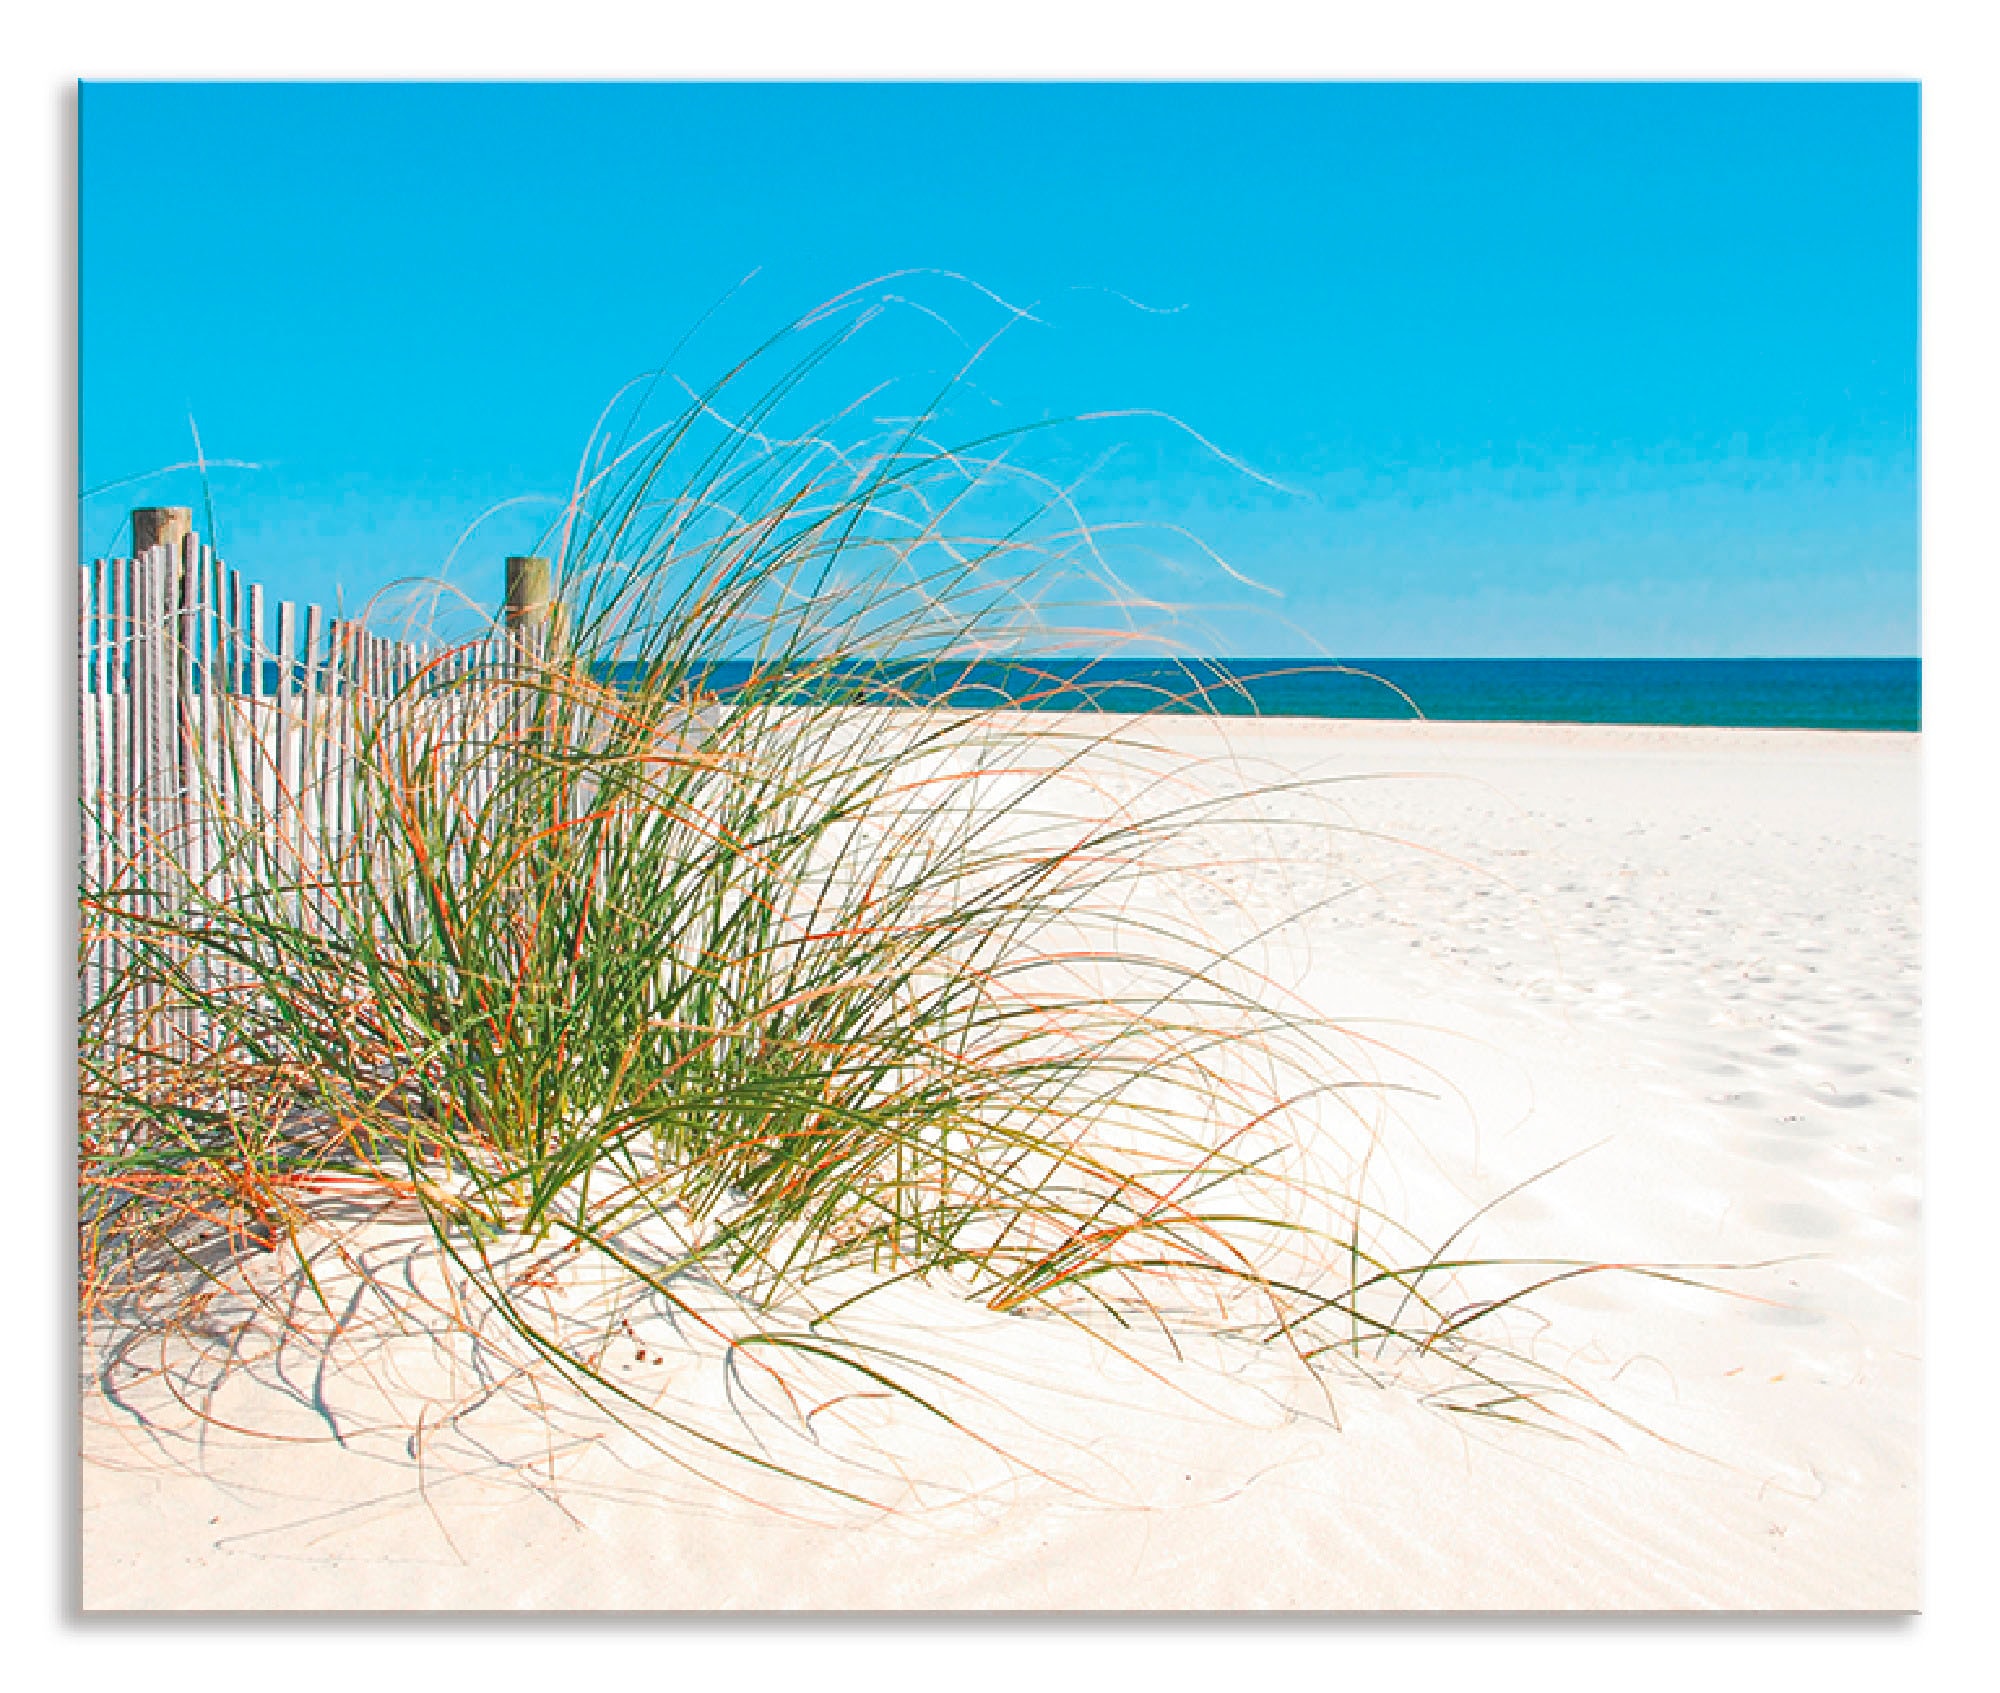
x: 796, y: 992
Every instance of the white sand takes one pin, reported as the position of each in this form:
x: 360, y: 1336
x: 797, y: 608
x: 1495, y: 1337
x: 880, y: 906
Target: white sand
x: 1691, y: 956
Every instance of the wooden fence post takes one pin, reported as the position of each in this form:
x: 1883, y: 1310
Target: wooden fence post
x: 160, y: 526
x: 531, y: 593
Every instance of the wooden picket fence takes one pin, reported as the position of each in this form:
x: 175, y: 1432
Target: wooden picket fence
x: 217, y: 744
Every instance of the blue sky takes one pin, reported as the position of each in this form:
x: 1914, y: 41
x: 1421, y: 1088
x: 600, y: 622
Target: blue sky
x: 1542, y: 369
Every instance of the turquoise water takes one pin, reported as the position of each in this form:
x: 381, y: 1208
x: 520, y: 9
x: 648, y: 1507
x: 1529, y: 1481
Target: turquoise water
x: 1748, y: 693
x: 1789, y: 693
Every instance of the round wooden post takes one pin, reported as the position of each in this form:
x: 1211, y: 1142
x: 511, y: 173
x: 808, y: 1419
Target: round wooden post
x: 530, y: 593
x: 154, y: 526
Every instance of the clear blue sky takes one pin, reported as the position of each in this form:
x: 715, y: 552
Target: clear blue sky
x: 1547, y: 369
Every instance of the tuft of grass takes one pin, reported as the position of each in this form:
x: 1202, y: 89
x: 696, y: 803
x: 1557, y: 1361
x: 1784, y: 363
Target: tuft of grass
x: 782, y: 993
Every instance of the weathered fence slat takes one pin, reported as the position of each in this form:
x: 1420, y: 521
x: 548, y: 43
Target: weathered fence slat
x: 312, y: 800
x: 287, y: 725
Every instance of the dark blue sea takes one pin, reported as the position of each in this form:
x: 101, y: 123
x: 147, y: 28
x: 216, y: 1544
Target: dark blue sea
x: 1763, y: 693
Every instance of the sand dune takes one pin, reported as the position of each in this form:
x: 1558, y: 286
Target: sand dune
x: 1675, y: 969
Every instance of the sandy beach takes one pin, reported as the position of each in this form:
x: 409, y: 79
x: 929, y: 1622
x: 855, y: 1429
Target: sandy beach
x: 1668, y: 979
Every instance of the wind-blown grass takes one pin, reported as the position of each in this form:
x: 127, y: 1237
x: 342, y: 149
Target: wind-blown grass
x: 781, y: 997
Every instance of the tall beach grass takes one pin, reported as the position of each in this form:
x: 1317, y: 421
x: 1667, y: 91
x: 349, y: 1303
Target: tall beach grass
x: 734, y: 1011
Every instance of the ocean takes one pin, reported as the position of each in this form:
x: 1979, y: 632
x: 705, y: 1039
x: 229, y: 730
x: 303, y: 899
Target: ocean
x: 1761, y: 693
